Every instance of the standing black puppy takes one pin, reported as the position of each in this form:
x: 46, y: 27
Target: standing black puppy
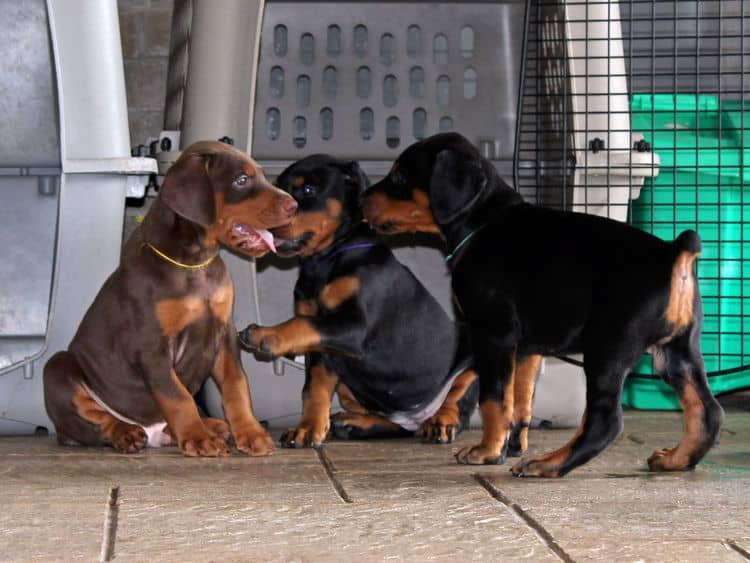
x: 533, y: 281
x: 369, y: 329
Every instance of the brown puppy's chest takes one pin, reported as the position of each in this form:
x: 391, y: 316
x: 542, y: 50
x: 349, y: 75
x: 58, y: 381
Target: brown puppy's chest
x: 193, y: 322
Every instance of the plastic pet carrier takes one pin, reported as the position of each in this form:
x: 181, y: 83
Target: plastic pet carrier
x: 65, y: 170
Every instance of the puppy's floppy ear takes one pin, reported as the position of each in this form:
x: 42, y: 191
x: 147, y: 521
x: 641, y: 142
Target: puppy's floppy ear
x: 353, y: 174
x: 187, y: 191
x: 456, y: 184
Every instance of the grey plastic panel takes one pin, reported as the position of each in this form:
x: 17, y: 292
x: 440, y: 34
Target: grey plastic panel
x: 81, y: 217
x: 372, y: 68
x: 28, y: 104
x: 221, y: 74
x: 28, y: 218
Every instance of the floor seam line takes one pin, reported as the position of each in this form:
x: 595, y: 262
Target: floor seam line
x: 109, y: 534
x: 331, y: 474
x: 739, y: 549
x: 537, y: 528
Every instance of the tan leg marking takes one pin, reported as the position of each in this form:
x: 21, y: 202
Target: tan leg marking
x: 442, y: 427
x: 496, y: 418
x: 366, y: 421
x: 306, y: 308
x: 678, y: 458
x: 316, y: 408
x: 295, y: 336
x: 348, y: 400
x: 548, y: 465
x: 339, y: 291
x: 185, y: 423
x: 523, y: 391
x: 249, y: 436
x: 357, y: 416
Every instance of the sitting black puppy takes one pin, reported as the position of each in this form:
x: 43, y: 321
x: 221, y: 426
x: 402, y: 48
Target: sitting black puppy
x: 369, y: 329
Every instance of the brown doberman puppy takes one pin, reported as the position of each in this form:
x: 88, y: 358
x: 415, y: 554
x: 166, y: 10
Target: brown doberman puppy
x: 162, y: 322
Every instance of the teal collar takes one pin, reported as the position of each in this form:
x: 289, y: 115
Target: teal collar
x: 466, y: 239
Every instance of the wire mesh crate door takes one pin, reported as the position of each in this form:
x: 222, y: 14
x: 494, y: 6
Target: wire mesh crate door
x: 688, y: 64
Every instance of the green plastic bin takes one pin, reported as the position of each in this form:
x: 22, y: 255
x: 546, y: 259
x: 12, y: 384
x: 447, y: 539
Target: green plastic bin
x: 705, y: 165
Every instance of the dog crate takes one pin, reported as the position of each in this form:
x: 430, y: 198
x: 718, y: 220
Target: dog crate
x: 65, y: 169
x: 690, y: 99
x: 685, y: 66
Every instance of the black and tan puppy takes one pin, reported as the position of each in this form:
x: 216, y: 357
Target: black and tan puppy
x: 533, y: 281
x: 369, y: 329
x: 162, y: 322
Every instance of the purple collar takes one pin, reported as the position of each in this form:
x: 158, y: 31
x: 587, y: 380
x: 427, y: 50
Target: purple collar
x: 340, y: 251
x: 351, y: 247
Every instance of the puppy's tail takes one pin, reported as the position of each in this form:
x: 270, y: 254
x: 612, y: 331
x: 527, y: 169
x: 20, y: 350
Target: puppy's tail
x: 687, y: 241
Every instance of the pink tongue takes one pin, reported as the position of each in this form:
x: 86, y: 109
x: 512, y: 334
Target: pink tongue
x: 267, y: 238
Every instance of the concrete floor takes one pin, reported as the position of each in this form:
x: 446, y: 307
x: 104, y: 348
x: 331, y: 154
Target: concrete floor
x: 384, y: 500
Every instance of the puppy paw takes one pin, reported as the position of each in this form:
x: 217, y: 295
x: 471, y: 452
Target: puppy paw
x: 305, y: 436
x: 667, y: 459
x: 534, y: 468
x: 128, y: 438
x: 204, y: 446
x: 441, y: 428
x: 254, y: 442
x: 259, y: 341
x: 481, y: 455
x: 356, y: 426
x: 218, y: 428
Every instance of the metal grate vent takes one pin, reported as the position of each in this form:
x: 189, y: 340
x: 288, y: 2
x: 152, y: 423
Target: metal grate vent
x: 366, y: 82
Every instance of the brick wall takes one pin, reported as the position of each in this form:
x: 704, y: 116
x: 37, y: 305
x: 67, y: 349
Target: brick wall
x: 144, y: 27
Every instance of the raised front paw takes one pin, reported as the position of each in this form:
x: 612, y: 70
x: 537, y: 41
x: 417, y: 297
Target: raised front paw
x: 204, y: 445
x: 441, y: 428
x: 481, y: 455
x: 255, y: 442
x: 260, y: 341
x: 128, y: 438
x: 305, y: 435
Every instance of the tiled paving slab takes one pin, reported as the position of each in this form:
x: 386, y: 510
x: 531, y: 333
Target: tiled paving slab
x: 408, y: 502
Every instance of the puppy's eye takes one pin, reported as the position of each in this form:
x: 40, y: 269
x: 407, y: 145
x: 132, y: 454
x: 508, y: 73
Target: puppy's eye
x: 241, y: 181
x: 308, y: 190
